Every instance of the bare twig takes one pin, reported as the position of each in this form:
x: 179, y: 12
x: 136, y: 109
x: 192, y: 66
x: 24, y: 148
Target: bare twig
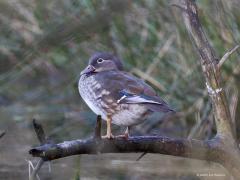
x: 39, y: 132
x: 2, y: 134
x: 227, y: 55
x: 210, y: 70
x: 43, y: 140
x: 141, y: 156
x: 36, y: 169
x: 179, y: 4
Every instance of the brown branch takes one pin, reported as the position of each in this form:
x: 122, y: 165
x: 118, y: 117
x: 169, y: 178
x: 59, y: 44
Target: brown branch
x: 150, y: 144
x: 210, y: 70
x: 210, y: 150
x: 97, y: 134
x: 210, y: 66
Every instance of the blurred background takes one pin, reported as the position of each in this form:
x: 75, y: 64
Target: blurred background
x: 45, y: 44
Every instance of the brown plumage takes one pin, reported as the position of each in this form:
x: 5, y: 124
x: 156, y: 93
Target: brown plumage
x: 117, y: 96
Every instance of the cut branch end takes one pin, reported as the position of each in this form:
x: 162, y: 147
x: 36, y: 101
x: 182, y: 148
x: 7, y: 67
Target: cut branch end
x: 2, y: 134
x: 39, y: 132
x: 97, y: 133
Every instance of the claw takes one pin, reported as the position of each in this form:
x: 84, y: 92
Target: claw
x: 109, y: 130
x: 108, y: 136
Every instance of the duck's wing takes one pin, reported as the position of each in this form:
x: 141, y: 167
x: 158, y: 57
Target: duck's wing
x: 136, y: 91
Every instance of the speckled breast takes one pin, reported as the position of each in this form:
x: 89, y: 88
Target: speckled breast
x: 101, y: 102
x: 93, y: 93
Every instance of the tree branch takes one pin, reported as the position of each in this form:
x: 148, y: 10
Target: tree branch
x: 150, y: 144
x: 211, y: 150
x: 210, y: 70
x: 39, y: 132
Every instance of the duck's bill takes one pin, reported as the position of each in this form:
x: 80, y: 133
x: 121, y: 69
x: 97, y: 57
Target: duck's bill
x: 87, y: 70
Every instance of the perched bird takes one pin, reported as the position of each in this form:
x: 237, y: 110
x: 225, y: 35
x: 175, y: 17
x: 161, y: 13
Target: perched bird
x: 119, y: 97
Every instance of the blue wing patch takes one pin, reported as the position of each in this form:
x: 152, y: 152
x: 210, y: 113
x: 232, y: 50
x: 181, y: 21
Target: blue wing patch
x: 129, y: 98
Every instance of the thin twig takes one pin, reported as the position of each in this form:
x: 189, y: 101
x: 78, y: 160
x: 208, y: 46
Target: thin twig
x: 39, y: 132
x: 227, y: 55
x: 43, y: 140
x: 178, y: 5
x: 36, y: 169
x: 30, y: 167
x: 2, y: 134
x: 141, y: 156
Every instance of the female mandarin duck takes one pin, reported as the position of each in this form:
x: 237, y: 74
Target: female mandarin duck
x: 119, y: 97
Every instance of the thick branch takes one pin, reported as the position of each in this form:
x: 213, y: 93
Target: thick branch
x: 210, y: 67
x: 213, y: 150
x: 210, y: 70
x: 150, y: 144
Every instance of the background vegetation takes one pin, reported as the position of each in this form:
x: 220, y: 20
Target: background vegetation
x: 45, y: 44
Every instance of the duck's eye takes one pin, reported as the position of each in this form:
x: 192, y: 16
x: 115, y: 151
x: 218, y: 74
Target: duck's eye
x: 100, y: 60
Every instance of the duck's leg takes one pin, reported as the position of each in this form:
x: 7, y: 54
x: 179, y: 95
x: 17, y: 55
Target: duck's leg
x: 109, y: 130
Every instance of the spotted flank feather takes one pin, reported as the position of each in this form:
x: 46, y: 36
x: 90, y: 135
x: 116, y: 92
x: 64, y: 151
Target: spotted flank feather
x: 154, y: 103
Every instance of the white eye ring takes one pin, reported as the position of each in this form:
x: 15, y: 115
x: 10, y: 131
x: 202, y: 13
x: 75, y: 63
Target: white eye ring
x: 100, y: 60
